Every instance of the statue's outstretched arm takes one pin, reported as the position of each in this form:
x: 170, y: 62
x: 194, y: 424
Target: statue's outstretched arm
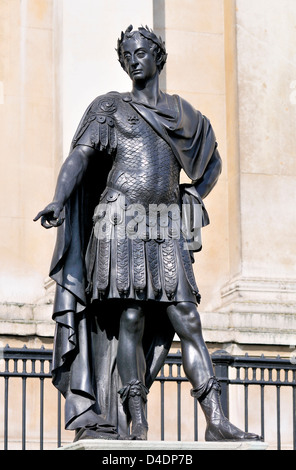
x: 69, y: 178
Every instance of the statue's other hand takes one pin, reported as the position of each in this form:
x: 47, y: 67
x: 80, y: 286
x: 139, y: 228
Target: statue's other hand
x: 50, y: 215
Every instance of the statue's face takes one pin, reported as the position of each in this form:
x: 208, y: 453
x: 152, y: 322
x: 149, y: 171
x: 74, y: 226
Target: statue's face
x: 139, y: 59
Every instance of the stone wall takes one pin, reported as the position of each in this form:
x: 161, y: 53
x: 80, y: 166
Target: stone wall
x: 260, y: 296
x: 28, y: 159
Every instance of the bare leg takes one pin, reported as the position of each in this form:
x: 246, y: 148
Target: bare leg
x: 131, y: 367
x: 195, y: 356
x: 199, y: 371
x: 130, y: 356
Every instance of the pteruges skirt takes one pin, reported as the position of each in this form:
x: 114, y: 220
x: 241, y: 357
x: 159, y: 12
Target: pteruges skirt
x: 124, y: 265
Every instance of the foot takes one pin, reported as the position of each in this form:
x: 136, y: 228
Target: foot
x: 139, y: 432
x: 92, y: 432
x: 136, y: 407
x: 223, y: 430
x: 219, y: 427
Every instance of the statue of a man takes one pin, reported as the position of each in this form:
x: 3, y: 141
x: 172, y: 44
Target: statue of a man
x: 122, y: 263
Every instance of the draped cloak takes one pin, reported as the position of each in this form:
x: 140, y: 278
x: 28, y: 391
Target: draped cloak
x: 85, y: 344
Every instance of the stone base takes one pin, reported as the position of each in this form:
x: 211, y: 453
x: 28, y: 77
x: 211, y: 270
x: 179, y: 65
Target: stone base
x: 254, y: 311
x: 164, y: 446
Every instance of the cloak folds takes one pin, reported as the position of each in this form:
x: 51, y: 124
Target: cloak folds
x: 85, y: 344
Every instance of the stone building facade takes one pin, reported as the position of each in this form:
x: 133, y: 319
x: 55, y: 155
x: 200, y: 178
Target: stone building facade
x: 235, y: 61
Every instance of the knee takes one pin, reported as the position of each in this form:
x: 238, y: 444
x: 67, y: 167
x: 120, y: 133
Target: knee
x: 188, y: 319
x: 191, y: 317
x: 132, y: 320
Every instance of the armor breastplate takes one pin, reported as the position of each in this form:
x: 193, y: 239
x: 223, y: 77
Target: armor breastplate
x: 145, y: 169
x: 133, y: 253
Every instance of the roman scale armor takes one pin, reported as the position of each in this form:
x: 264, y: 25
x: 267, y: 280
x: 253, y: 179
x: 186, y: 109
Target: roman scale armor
x: 133, y: 252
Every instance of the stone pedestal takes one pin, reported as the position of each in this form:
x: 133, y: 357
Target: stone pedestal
x: 172, y: 448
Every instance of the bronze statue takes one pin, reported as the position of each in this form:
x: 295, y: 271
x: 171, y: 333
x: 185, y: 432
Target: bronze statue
x: 123, y: 257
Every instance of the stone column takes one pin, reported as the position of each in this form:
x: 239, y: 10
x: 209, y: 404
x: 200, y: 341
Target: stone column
x: 260, y: 297
x: 27, y: 160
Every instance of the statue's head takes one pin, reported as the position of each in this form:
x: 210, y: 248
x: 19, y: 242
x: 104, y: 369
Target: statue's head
x: 155, y: 44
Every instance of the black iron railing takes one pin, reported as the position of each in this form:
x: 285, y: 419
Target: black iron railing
x: 20, y: 367
x: 25, y: 364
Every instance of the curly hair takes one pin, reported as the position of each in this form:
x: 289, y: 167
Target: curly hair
x: 156, y: 44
